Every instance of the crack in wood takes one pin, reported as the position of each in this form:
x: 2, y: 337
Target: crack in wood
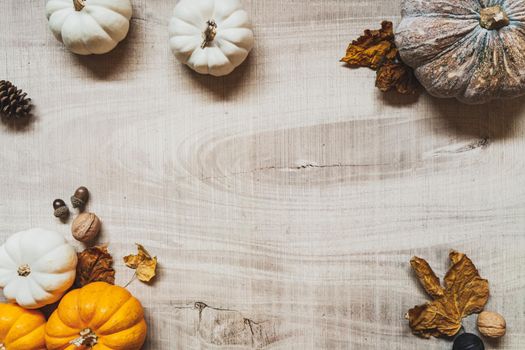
x: 226, y: 327
x: 294, y: 168
x: 481, y: 143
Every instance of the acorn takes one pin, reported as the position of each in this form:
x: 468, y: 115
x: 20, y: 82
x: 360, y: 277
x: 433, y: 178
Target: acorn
x: 468, y: 341
x: 80, y: 197
x: 61, y: 209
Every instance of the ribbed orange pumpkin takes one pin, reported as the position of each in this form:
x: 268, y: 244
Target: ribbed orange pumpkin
x: 98, y: 316
x: 21, y: 329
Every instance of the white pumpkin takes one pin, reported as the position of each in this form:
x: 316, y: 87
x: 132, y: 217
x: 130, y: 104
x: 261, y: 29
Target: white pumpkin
x: 36, y: 267
x: 211, y: 36
x: 89, y: 26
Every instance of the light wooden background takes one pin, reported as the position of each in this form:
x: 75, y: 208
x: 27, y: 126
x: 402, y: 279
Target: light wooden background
x: 284, y: 201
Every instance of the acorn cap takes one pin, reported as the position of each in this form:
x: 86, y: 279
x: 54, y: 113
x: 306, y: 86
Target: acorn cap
x: 61, y: 212
x: 77, y: 202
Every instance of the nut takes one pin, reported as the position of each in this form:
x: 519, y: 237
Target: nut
x: 61, y: 209
x: 491, y: 324
x: 80, y: 197
x: 86, y: 227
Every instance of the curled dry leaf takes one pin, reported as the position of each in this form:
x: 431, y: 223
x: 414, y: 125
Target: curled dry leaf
x: 94, y: 265
x: 396, y: 76
x: 143, y: 263
x: 464, y: 293
x: 373, y: 48
x: 376, y: 49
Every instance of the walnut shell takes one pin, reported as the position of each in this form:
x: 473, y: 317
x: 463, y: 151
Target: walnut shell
x: 86, y: 227
x: 471, y: 50
x: 491, y: 324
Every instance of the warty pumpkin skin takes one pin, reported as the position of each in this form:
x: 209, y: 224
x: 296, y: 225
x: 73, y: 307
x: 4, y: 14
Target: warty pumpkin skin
x: 473, y: 50
x: 99, y: 316
x: 21, y: 329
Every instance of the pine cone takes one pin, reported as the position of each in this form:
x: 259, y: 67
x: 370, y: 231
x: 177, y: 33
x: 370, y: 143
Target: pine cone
x: 13, y: 102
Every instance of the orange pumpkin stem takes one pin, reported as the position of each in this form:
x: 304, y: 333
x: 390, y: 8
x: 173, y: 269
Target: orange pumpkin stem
x: 87, y: 338
x: 79, y: 4
x: 209, y: 34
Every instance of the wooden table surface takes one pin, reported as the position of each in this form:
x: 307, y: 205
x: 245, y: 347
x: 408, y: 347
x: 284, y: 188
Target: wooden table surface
x: 284, y: 201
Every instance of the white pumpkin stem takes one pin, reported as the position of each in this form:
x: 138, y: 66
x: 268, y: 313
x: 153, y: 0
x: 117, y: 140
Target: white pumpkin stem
x: 23, y: 271
x: 87, y: 338
x: 209, y: 34
x: 493, y: 17
x: 79, y: 4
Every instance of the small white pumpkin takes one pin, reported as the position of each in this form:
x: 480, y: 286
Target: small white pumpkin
x: 211, y: 36
x: 89, y: 26
x: 36, y: 267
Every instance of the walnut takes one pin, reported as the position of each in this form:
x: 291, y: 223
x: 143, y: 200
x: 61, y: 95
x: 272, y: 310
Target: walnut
x: 491, y: 324
x: 86, y: 227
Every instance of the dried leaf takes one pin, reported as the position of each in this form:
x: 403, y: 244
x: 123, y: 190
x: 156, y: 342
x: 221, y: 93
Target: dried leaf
x: 464, y: 293
x: 146, y: 270
x: 396, y: 76
x: 372, y: 48
x: 143, y: 263
x: 377, y: 50
x: 94, y: 265
x: 427, y: 277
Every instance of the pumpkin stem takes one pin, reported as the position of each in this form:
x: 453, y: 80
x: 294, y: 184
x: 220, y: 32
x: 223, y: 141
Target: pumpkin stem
x: 493, y: 17
x: 79, y: 4
x: 209, y: 34
x: 23, y: 271
x: 87, y: 338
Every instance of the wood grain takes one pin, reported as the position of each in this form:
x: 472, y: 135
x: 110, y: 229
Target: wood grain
x: 284, y: 201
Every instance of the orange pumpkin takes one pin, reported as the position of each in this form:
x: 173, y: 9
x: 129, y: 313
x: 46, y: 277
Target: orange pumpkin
x: 98, y: 316
x: 21, y: 329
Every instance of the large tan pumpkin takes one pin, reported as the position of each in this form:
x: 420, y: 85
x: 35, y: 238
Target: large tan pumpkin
x: 473, y: 50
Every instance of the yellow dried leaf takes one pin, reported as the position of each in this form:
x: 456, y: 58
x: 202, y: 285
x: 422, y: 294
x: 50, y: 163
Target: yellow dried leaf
x: 376, y: 49
x: 427, y: 277
x: 372, y: 48
x: 464, y: 293
x: 146, y: 270
x: 144, y: 264
x: 133, y: 261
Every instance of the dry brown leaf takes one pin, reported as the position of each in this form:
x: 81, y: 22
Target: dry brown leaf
x: 94, y: 265
x: 144, y: 265
x: 464, y: 293
x: 427, y: 277
x: 372, y: 48
x: 396, y: 76
x: 376, y: 49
